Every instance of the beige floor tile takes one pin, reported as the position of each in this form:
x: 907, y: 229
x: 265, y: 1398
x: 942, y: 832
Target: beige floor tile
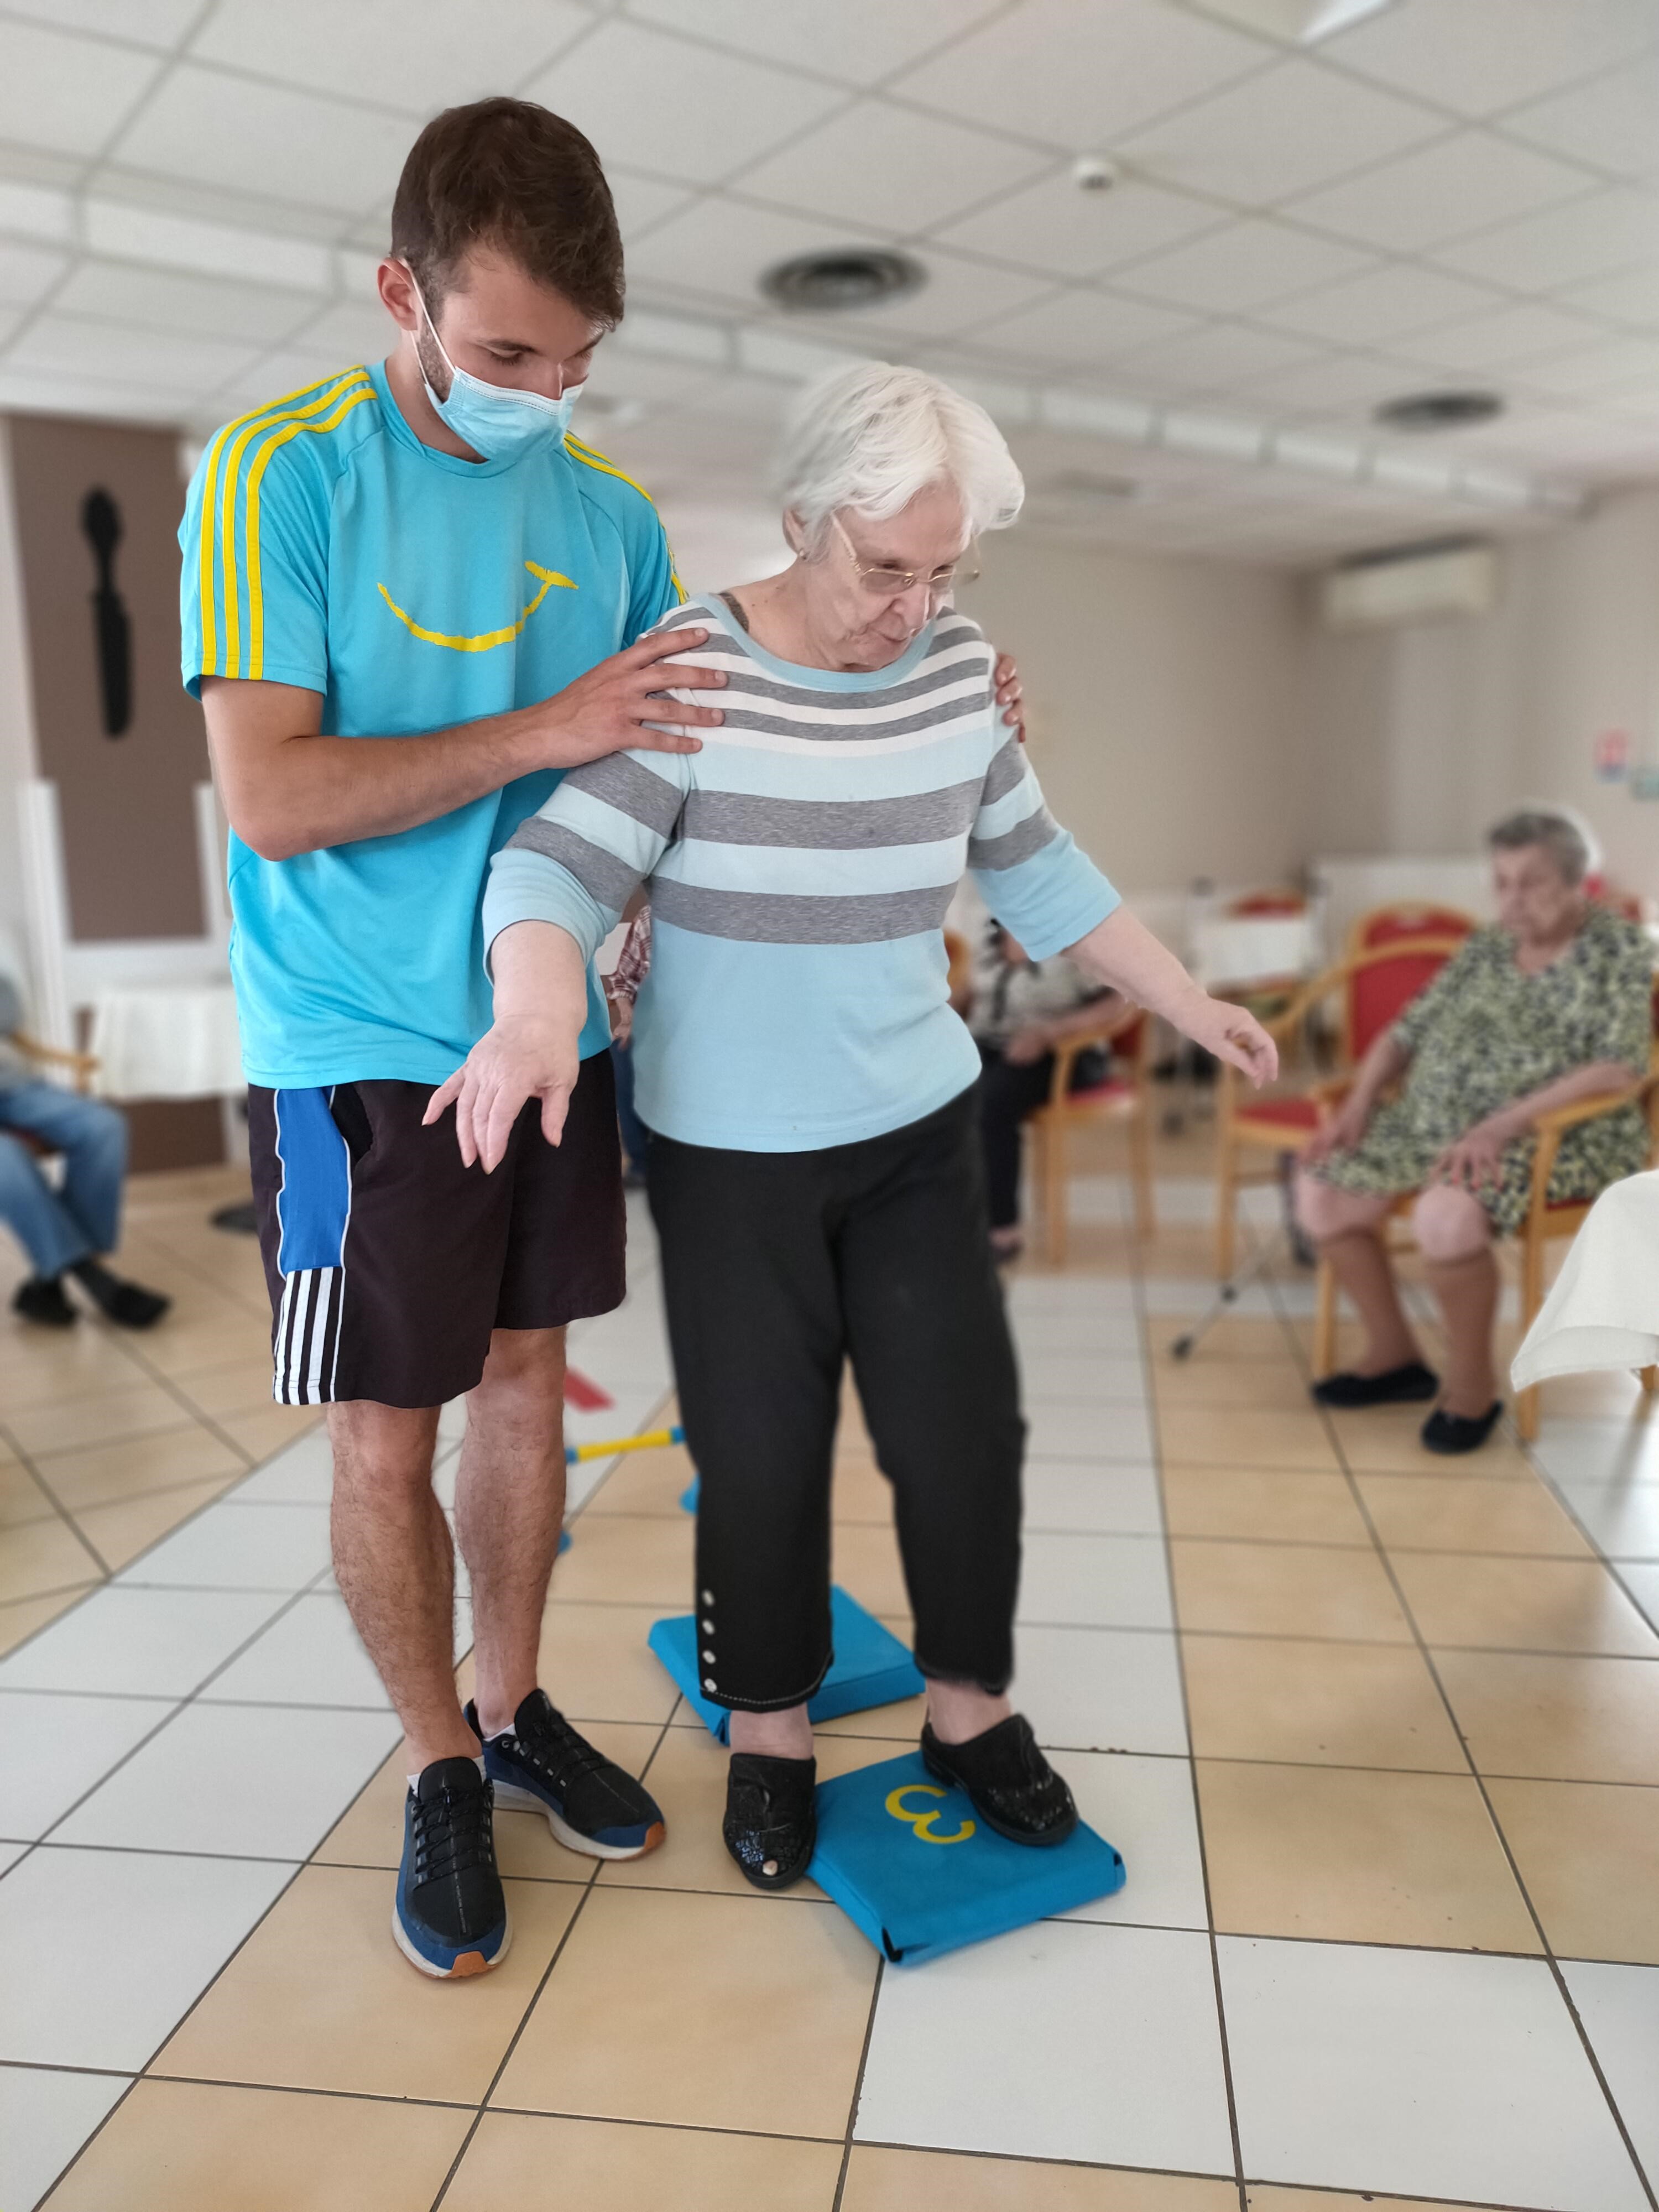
x: 1567, y: 1719
x: 42, y: 1556
x: 1271, y: 1386
x: 1385, y: 1441
x: 865, y: 1561
x: 595, y: 1665
x: 644, y: 1482
x: 104, y: 1475
x: 861, y: 1492
x: 1244, y: 1435
x: 885, y: 1724
x: 1263, y: 1504
x: 259, y: 1435
x: 40, y: 1367
x: 621, y: 1558
x: 371, y: 1832
x: 1285, y: 1590
x: 1601, y: 1397
x: 319, y: 1996
x: 1263, y: 2197
x: 1588, y: 1854
x: 753, y: 2032
x: 638, y: 2169
x: 23, y: 1616
x: 233, y: 1387
x: 21, y: 1498
x: 66, y: 1423
x: 1464, y: 1599
x: 883, y: 2180
x: 182, y: 1348
x: 1469, y: 1513
x: 1235, y: 1336
x: 1343, y: 1857
x: 131, y: 1525
x: 1334, y: 1704
x: 185, y: 2147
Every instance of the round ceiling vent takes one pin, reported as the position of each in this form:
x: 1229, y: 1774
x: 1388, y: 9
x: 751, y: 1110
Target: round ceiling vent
x: 830, y: 283
x: 1439, y: 411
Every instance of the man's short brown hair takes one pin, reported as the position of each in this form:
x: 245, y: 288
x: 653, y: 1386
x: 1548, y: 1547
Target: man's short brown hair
x: 507, y: 174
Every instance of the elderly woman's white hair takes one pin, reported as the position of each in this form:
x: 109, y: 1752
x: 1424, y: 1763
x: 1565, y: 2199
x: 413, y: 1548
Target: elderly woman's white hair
x: 872, y: 435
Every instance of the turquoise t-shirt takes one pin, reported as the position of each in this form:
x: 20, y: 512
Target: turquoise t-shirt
x: 325, y: 546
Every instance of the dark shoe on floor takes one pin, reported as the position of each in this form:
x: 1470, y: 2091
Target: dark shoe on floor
x: 1398, y: 1386
x: 592, y: 1805
x: 1013, y: 1786
x: 771, y: 1825
x: 450, y: 1917
x: 41, y: 1299
x: 1460, y: 1432
x: 130, y: 1305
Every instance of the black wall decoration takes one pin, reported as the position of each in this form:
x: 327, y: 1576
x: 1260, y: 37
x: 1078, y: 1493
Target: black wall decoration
x: 100, y: 521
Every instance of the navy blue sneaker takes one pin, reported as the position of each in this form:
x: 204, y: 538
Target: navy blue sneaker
x: 450, y: 1917
x: 542, y: 1765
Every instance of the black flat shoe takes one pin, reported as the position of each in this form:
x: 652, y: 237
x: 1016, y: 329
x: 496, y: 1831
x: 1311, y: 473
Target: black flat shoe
x: 1457, y: 1432
x: 771, y: 1823
x: 1013, y: 1786
x: 41, y: 1299
x: 1400, y: 1386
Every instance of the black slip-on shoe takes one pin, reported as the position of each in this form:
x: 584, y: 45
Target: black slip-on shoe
x: 450, y: 1915
x: 1400, y: 1386
x: 1449, y: 1433
x: 42, y: 1299
x: 541, y: 1764
x: 1013, y: 1787
x: 771, y: 1824
x: 129, y: 1305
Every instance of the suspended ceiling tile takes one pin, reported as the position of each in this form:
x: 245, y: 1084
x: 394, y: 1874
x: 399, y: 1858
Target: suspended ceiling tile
x: 219, y: 206
x: 1217, y: 358
x: 1607, y: 124
x: 1383, y: 304
x: 274, y: 375
x: 642, y: 201
x: 351, y: 330
x: 216, y: 129
x: 1053, y: 225
x: 1479, y: 56
x: 1345, y: 386
x: 27, y: 273
x: 1502, y: 338
x: 959, y: 296
x: 66, y: 94
x: 1607, y: 366
x: 1633, y: 296
x: 159, y: 23
x: 203, y: 306
x: 33, y: 392
x: 720, y: 248
x: 1078, y: 78
x: 1243, y: 266
x: 1285, y: 131
x: 63, y: 345
x: 414, y: 54
x: 1601, y: 231
x: 1464, y: 183
x: 677, y: 109
x: 1081, y: 329
x: 38, y: 211
x: 891, y: 167
x: 859, y: 41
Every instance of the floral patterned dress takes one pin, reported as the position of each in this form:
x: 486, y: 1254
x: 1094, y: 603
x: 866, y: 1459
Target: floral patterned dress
x: 1483, y: 1034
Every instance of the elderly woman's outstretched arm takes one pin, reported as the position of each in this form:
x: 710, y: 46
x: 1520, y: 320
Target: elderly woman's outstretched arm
x: 1123, y: 952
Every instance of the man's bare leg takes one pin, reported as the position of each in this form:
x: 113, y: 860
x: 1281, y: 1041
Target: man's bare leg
x: 396, y: 1568
x: 509, y: 1505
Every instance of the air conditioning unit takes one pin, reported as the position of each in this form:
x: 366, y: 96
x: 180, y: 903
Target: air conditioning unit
x: 1420, y: 583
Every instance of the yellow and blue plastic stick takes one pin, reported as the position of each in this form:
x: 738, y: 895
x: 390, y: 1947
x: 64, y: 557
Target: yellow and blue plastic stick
x: 653, y: 1440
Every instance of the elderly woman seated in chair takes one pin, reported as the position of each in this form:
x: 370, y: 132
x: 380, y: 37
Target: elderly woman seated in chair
x: 1551, y: 1006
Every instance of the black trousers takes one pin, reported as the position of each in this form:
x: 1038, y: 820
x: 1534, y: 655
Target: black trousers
x: 777, y: 1268
x: 1008, y: 1091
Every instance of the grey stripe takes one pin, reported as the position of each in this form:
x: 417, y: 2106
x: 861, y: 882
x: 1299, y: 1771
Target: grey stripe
x: 735, y: 817
x: 1015, y: 844
x: 601, y: 874
x: 932, y: 677
x: 826, y: 733
x: 632, y: 789
x: 1006, y: 773
x: 776, y: 918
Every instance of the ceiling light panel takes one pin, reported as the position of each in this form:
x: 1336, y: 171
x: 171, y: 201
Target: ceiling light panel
x: 68, y: 93
x: 253, y: 138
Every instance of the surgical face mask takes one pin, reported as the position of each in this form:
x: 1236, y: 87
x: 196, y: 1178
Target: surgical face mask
x: 497, y: 421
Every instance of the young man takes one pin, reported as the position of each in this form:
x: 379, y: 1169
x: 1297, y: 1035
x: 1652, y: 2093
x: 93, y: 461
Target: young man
x: 409, y: 602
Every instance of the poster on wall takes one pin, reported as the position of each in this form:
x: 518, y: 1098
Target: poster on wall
x: 1610, y: 756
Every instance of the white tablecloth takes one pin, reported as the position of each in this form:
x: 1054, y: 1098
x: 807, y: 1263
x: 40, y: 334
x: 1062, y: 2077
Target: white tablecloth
x: 1603, y: 1308
x: 167, y: 1040
x: 1254, y: 948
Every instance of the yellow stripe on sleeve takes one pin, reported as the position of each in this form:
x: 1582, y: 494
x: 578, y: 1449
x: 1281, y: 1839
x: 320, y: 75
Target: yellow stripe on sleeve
x: 585, y: 454
x: 343, y: 402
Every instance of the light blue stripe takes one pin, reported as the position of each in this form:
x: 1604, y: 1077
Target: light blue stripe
x: 528, y: 887
x: 604, y: 825
x: 815, y: 873
x: 1006, y: 813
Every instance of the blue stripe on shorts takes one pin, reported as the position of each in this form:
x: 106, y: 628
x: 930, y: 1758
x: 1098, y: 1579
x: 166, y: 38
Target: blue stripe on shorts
x: 314, y: 1202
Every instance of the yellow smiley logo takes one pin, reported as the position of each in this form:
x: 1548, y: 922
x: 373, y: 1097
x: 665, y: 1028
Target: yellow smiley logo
x: 487, y: 639
x: 925, y: 1822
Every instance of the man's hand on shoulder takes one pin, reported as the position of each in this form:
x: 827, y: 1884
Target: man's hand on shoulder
x: 613, y: 707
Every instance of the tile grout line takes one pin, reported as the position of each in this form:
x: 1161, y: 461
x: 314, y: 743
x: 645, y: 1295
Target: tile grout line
x: 26, y: 1460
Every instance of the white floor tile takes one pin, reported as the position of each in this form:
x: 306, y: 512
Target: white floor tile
x: 1108, y: 1334
x: 301, y: 1473
x: 1426, y: 2074
x: 1623, y: 1518
x: 1101, y: 1689
x: 1589, y: 1450
x: 1641, y: 1577
x: 1088, y: 1432
x: 53, y: 1750
x: 1060, y: 2041
x: 104, y: 1950
x: 1070, y: 1294
x: 151, y: 1643
x: 263, y: 1781
x: 1095, y: 1582
x: 45, y: 2118
x: 1112, y: 1501
x: 311, y: 1656
x: 1145, y: 1807
x: 1077, y: 1378
x: 236, y: 1546
x: 1619, y: 2007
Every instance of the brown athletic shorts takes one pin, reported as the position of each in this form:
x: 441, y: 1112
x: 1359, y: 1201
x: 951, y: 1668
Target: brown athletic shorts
x: 389, y: 1262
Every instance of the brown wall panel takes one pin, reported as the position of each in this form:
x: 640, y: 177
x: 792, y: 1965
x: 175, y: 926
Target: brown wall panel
x: 129, y: 828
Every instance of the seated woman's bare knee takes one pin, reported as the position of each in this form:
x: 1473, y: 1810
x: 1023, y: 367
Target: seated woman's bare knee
x: 1324, y: 1211
x: 1450, y: 1223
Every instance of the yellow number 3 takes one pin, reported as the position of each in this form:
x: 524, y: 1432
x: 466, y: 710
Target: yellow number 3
x: 923, y: 1822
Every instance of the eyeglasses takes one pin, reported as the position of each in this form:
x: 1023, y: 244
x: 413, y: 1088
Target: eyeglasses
x: 886, y: 583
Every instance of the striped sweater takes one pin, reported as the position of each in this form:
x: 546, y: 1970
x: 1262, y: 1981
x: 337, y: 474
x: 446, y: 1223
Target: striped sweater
x: 799, y: 869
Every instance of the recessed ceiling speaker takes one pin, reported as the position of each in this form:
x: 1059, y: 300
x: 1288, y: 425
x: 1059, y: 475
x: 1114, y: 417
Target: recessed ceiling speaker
x: 842, y: 278
x: 1438, y: 410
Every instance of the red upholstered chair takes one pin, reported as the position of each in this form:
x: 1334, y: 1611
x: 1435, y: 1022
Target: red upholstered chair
x: 1124, y: 1099
x: 1387, y: 925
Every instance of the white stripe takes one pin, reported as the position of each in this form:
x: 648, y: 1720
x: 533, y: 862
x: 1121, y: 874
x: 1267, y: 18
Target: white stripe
x: 837, y: 749
x: 305, y: 1284
x: 278, y: 1380
x: 314, y: 1373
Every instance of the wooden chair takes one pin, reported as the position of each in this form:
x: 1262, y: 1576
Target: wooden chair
x: 1372, y: 988
x: 1126, y: 1100
x: 81, y: 1066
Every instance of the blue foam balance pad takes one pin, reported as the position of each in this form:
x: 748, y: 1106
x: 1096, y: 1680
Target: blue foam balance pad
x: 915, y: 1869
x: 871, y: 1667
x: 689, y: 1496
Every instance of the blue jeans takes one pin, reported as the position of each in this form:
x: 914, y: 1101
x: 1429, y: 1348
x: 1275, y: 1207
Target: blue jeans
x: 57, y: 1228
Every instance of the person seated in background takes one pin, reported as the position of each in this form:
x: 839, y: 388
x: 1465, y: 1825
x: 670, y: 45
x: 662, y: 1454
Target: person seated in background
x: 62, y: 1230
x: 1019, y: 1012
x: 1551, y: 1006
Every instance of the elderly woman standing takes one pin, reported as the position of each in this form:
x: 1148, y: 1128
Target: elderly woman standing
x: 815, y: 1172
x: 1551, y: 1006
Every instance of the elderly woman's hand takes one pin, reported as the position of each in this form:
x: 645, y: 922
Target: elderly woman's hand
x: 1230, y: 1033
x: 1341, y: 1134
x: 1477, y: 1158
